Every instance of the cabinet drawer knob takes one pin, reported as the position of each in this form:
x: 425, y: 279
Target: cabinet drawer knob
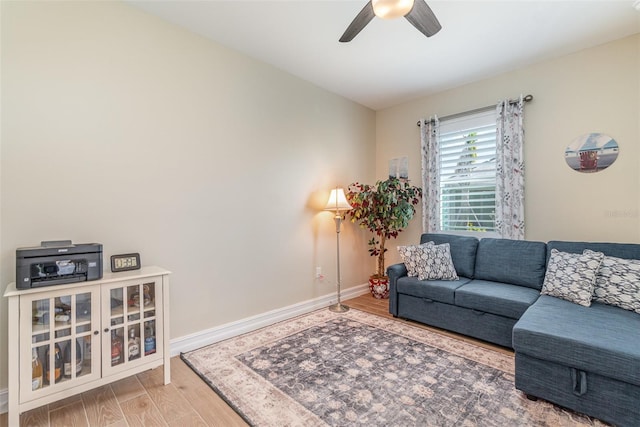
x: 96, y: 332
x: 106, y: 330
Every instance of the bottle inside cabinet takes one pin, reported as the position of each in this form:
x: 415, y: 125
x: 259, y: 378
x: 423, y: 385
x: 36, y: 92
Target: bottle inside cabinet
x: 83, y: 350
x: 53, y: 371
x: 149, y: 337
x: 37, y: 372
x: 116, y: 348
x: 68, y: 366
x: 134, y: 342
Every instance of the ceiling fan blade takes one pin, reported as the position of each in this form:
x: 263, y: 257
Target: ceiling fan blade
x: 422, y: 17
x: 359, y: 22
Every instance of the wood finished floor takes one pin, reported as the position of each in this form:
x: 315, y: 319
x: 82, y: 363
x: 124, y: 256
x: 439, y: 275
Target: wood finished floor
x: 142, y: 400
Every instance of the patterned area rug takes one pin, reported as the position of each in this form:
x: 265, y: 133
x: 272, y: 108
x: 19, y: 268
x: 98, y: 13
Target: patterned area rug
x: 357, y: 369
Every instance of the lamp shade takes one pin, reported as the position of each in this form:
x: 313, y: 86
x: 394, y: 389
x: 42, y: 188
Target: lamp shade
x: 337, y: 201
x: 389, y: 9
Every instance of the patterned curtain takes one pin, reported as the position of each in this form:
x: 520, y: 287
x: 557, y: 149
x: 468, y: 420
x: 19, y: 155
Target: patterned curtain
x: 429, y: 135
x: 510, y: 170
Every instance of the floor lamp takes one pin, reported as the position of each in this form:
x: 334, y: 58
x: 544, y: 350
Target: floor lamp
x: 339, y: 204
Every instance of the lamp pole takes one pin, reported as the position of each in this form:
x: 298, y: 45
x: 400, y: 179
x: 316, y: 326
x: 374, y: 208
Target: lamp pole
x: 338, y: 203
x: 338, y: 307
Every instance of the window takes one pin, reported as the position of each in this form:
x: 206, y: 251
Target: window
x: 467, y: 169
x: 473, y: 172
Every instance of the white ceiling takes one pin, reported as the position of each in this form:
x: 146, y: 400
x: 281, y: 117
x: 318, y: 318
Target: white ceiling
x: 390, y: 62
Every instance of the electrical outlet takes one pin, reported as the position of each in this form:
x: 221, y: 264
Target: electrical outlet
x: 318, y: 272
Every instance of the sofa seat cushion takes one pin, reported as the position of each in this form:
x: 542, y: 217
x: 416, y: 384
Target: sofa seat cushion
x: 602, y: 339
x: 496, y: 298
x: 519, y: 262
x: 437, y: 290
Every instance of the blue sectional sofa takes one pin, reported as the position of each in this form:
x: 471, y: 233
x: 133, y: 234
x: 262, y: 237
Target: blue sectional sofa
x: 583, y: 358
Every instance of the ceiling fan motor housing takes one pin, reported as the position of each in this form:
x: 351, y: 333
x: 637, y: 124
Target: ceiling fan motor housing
x: 418, y: 13
x: 390, y: 9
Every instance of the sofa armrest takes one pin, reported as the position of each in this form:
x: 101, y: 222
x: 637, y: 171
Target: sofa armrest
x: 395, y: 272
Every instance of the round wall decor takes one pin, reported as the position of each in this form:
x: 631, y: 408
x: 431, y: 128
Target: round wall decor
x: 592, y: 152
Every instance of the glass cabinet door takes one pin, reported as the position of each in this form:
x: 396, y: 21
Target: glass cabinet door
x: 62, y: 331
x: 131, y: 336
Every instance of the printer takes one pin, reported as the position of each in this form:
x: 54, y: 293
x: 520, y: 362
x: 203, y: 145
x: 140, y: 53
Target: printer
x: 57, y: 262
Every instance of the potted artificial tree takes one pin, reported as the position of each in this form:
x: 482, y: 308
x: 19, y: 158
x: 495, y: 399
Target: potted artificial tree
x: 385, y: 209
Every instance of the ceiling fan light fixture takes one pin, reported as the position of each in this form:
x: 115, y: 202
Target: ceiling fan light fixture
x: 390, y: 9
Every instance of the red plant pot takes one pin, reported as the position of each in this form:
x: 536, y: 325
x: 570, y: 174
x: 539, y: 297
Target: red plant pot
x: 379, y: 287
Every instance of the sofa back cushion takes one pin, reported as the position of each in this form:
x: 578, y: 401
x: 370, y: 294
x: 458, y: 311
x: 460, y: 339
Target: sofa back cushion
x: 618, y: 250
x: 463, y: 250
x: 519, y: 262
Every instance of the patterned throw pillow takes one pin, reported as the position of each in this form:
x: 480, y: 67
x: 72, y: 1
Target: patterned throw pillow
x: 410, y: 255
x: 618, y: 283
x: 572, y: 276
x: 434, y: 263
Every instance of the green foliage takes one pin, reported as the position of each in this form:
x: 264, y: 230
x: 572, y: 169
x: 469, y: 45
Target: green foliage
x: 385, y: 209
x: 472, y: 227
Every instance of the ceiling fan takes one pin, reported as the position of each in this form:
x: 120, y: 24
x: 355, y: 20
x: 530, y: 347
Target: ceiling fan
x: 417, y: 12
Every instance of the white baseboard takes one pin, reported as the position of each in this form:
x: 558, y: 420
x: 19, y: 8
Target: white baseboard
x: 229, y: 330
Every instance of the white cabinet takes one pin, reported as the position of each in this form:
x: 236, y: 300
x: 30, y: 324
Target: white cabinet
x: 85, y: 335
x: 59, y: 325
x: 132, y: 328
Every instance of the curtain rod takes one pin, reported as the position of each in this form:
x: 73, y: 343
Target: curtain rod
x: 526, y: 98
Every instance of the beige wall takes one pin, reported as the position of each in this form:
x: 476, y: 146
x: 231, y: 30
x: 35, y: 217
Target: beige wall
x: 125, y: 130
x: 122, y: 129
x: 595, y: 90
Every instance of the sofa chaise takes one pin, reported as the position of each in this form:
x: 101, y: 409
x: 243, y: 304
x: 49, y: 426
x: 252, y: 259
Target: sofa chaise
x: 571, y: 351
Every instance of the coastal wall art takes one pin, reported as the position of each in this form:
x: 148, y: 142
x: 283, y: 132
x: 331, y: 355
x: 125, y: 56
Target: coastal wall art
x: 399, y: 167
x: 592, y: 152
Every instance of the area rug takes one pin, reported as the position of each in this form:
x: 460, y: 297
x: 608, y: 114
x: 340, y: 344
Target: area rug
x: 355, y: 368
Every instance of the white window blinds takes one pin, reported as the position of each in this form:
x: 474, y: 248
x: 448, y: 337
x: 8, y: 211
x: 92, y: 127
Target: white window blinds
x: 468, y: 172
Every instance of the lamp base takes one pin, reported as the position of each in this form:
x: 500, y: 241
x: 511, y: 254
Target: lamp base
x: 338, y: 308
